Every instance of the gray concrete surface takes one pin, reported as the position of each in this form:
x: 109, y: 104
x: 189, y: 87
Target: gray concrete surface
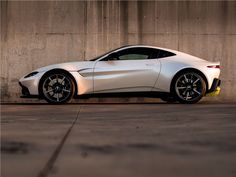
x: 118, y: 140
x: 35, y: 34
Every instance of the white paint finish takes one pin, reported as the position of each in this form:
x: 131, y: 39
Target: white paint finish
x: 32, y: 83
x: 172, y: 65
x: 70, y: 66
x: 84, y: 84
x: 127, y: 75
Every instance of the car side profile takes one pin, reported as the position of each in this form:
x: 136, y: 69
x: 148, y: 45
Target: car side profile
x: 135, y: 70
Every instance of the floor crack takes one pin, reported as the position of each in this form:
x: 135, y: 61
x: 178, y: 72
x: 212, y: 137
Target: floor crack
x: 49, y: 165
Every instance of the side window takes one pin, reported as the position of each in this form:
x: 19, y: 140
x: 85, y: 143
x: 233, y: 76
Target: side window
x: 139, y: 53
x: 163, y: 54
x: 133, y: 57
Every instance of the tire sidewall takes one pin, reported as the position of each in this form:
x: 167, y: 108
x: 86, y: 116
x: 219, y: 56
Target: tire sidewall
x: 195, y: 100
x: 67, y: 100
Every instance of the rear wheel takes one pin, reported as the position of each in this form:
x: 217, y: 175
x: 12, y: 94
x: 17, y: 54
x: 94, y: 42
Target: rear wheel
x: 57, y: 88
x: 189, y: 87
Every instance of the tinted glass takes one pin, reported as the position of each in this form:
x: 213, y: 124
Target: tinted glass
x: 133, y: 57
x: 163, y: 53
x: 139, y: 53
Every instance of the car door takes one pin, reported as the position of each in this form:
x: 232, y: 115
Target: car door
x: 132, y: 69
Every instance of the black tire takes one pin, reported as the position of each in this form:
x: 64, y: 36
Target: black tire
x: 57, y: 87
x: 188, y: 87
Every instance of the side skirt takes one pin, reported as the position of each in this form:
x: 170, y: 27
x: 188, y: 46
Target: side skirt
x: 123, y: 95
x: 112, y: 95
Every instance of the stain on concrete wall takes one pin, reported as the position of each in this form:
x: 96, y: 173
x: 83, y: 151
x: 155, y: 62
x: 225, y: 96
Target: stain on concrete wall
x: 35, y: 34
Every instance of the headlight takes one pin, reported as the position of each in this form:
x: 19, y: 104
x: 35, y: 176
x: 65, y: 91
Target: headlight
x: 31, y: 74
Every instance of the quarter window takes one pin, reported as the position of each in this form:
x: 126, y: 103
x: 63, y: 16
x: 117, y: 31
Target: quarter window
x: 163, y: 54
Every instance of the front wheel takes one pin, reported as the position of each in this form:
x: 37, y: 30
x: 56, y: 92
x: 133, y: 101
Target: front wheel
x: 57, y: 88
x: 189, y: 87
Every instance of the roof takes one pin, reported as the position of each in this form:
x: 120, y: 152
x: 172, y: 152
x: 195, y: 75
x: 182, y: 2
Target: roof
x: 148, y: 46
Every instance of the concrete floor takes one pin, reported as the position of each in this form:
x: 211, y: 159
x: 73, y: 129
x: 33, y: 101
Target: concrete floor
x: 114, y: 140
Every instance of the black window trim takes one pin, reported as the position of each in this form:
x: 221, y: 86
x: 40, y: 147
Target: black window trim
x: 157, y: 56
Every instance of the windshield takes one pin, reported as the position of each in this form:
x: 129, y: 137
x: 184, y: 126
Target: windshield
x: 106, y: 53
x: 94, y: 59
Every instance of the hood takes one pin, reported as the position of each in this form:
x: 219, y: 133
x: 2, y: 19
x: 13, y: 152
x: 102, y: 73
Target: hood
x: 69, y: 66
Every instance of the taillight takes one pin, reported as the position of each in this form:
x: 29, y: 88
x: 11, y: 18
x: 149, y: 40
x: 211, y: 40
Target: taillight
x: 213, y: 66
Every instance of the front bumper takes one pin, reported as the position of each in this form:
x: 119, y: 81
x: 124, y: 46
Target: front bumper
x: 24, y: 90
x: 29, y: 85
x: 215, y: 88
x: 26, y: 93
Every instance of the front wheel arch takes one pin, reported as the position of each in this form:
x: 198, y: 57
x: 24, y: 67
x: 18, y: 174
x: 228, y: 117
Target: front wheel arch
x: 53, y: 71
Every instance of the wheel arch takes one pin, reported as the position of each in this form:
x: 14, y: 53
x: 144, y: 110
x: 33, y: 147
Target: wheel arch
x: 188, y: 70
x: 53, y: 71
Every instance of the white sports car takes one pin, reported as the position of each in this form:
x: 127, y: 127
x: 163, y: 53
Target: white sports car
x: 136, y: 70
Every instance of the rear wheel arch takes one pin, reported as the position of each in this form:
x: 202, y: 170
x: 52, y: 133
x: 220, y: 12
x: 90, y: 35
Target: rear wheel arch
x: 54, y: 71
x: 188, y: 70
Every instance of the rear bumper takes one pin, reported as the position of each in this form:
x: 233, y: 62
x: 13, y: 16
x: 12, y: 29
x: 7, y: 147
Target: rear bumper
x: 216, y: 83
x: 215, y: 88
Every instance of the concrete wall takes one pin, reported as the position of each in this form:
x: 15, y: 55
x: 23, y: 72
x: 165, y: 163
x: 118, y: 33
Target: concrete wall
x: 35, y: 34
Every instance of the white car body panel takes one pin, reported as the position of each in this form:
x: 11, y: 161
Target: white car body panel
x: 126, y: 75
x: 170, y: 66
x: 86, y: 83
x: 32, y: 83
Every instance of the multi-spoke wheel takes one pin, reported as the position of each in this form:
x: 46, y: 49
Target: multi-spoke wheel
x: 57, y: 88
x: 189, y: 87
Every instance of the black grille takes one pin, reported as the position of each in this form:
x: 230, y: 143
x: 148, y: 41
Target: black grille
x: 24, y: 90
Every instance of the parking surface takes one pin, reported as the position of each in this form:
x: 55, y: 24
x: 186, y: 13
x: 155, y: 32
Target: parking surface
x: 114, y: 140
